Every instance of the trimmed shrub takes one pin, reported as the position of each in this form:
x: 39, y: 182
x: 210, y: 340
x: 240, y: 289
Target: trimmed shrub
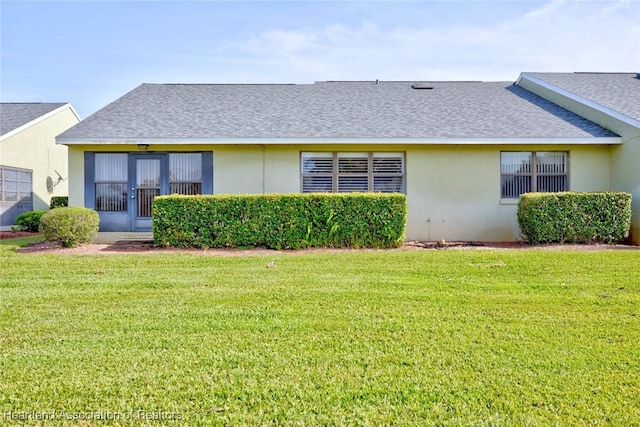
x: 70, y: 225
x: 29, y: 221
x: 281, y: 221
x: 59, y: 202
x: 574, y: 217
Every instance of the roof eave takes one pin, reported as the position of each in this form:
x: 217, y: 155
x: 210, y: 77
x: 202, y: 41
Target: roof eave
x: 579, y: 99
x: 612, y: 140
x: 40, y: 119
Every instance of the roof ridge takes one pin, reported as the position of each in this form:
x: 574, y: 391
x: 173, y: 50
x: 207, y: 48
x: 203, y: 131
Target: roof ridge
x: 224, y: 84
x: 32, y: 103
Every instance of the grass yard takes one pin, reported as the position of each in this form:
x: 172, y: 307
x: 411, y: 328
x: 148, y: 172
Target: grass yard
x: 424, y: 337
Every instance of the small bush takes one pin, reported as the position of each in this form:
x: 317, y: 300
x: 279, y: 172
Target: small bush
x: 59, y: 202
x: 70, y: 225
x: 29, y: 221
x: 574, y: 217
x: 281, y: 221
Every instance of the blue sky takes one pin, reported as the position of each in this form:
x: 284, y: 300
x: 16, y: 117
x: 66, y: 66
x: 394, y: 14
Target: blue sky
x: 90, y: 53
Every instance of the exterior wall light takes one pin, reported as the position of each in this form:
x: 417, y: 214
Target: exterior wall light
x: 143, y: 147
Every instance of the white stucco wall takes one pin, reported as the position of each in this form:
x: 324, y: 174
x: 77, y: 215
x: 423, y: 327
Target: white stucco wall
x: 34, y: 148
x: 453, y: 191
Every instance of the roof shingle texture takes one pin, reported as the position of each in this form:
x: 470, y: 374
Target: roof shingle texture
x: 332, y: 110
x: 619, y: 92
x: 14, y: 115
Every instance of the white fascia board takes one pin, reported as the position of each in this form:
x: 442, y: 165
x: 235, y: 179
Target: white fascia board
x: 40, y: 119
x: 73, y: 110
x: 342, y: 141
x: 577, y: 98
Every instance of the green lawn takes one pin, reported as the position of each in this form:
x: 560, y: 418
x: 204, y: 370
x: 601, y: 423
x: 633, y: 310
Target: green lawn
x: 396, y: 337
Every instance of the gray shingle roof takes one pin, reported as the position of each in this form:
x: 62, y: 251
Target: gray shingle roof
x: 332, y: 110
x: 14, y: 115
x: 617, y: 91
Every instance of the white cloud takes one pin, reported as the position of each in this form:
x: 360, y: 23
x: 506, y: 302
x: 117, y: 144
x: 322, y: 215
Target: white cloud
x: 546, y: 9
x: 559, y: 35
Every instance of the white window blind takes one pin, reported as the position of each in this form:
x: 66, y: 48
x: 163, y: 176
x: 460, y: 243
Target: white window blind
x: 111, y: 174
x: 351, y: 172
x: 524, y: 172
x: 317, y: 172
x: 388, y: 172
x: 551, y: 172
x: 185, y: 173
x: 111, y: 167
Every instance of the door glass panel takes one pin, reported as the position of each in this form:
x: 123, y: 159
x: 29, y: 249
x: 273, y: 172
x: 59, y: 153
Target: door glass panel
x: 111, y: 182
x: 185, y: 173
x: 147, y: 185
x: 111, y: 196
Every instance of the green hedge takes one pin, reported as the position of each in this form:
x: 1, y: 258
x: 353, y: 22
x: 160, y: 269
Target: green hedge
x: 70, y: 225
x: 29, y: 221
x: 574, y: 217
x: 280, y: 221
x: 59, y: 202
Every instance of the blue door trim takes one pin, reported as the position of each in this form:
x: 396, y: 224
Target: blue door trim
x: 142, y: 223
x: 108, y: 221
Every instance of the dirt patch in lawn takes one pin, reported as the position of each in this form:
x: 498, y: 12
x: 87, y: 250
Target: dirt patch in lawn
x: 143, y: 247
x: 15, y: 234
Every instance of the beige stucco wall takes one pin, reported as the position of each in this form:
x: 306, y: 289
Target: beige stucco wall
x: 35, y: 148
x: 453, y: 191
x: 76, y: 175
x: 625, y: 173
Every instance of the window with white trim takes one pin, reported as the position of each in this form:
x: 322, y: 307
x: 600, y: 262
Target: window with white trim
x: 527, y: 172
x: 350, y: 172
x: 16, y: 185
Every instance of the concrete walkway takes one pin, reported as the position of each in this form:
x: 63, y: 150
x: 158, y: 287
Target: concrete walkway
x: 121, y: 237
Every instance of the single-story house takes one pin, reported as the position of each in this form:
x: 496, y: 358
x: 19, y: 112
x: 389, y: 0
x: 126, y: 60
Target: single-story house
x: 463, y: 152
x: 32, y: 166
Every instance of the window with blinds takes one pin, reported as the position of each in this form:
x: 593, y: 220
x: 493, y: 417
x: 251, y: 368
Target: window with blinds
x: 525, y: 172
x: 185, y: 173
x: 351, y: 172
x: 111, y: 177
x: 317, y: 172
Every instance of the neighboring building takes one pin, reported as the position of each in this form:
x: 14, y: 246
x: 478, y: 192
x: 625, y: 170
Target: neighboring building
x: 32, y: 167
x: 463, y: 152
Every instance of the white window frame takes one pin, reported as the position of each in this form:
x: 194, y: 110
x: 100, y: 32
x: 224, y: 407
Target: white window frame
x: 19, y: 185
x: 335, y: 174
